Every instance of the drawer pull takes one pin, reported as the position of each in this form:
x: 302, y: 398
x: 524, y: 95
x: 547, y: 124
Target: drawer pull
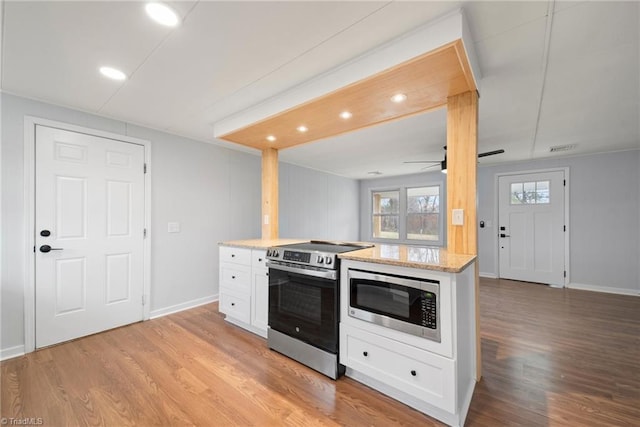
x: 233, y: 255
x: 414, y: 373
x: 259, y: 259
x: 365, y: 353
x: 233, y: 304
x: 233, y: 277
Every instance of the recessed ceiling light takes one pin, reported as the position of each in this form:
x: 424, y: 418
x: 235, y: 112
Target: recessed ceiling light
x: 162, y: 14
x: 346, y: 115
x: 271, y: 138
x: 302, y: 128
x: 399, y: 97
x: 112, y: 73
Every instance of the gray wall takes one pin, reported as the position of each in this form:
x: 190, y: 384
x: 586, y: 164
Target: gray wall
x: 317, y: 205
x: 604, y: 207
x: 213, y: 192
x: 604, y: 221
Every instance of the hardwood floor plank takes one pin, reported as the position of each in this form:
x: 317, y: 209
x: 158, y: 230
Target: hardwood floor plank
x: 551, y: 357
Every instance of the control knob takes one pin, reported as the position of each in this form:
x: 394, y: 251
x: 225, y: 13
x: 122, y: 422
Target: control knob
x: 328, y: 260
x: 320, y: 259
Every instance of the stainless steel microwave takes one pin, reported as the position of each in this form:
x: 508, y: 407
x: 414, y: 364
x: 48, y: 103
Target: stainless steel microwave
x: 407, y: 304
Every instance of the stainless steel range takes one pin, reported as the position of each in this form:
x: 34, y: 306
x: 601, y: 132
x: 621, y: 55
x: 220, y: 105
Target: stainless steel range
x: 304, y: 302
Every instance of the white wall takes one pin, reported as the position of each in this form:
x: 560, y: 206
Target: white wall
x: 317, y: 205
x: 604, y: 209
x: 213, y: 192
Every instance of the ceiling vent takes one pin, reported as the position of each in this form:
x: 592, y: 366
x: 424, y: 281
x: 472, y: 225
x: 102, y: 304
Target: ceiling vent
x: 560, y: 148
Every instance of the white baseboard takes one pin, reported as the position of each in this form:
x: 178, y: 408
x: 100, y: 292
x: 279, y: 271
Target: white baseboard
x: 11, y: 352
x: 183, y: 306
x: 619, y: 291
x: 488, y: 275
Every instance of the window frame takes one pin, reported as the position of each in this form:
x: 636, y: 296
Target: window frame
x: 403, y: 213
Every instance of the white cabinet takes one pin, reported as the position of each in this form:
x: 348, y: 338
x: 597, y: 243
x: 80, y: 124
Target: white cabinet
x: 260, y: 298
x: 437, y: 378
x: 244, y: 288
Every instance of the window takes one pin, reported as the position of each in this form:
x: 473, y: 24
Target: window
x: 423, y: 212
x: 407, y: 215
x: 529, y: 193
x: 386, y: 214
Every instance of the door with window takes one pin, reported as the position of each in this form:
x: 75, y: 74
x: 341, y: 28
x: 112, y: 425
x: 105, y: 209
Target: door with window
x: 89, y: 218
x: 531, y: 231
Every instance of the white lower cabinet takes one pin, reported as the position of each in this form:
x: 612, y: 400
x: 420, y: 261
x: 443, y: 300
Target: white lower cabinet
x: 260, y: 296
x: 415, y: 371
x: 434, y: 377
x: 244, y: 288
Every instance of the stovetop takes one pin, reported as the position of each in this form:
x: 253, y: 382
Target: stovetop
x: 316, y: 253
x: 325, y: 246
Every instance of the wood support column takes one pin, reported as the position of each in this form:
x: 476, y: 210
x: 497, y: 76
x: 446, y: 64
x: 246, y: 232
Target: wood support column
x: 462, y: 171
x: 269, y: 218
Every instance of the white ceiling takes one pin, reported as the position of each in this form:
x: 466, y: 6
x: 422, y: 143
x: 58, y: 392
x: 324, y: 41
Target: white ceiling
x: 552, y: 73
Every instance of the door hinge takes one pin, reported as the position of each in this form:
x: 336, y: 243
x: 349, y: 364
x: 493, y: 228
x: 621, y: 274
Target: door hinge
x: 144, y: 300
x: 144, y: 233
x: 565, y: 273
x: 564, y: 182
x: 145, y: 168
x: 564, y: 228
x: 34, y: 249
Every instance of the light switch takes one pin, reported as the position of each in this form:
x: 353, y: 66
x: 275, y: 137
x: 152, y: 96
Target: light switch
x: 173, y: 227
x: 457, y: 217
x: 266, y: 220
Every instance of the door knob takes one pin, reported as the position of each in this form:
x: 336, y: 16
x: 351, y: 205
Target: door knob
x: 47, y: 248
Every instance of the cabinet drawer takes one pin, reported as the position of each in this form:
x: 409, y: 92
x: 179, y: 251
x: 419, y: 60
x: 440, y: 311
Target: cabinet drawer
x: 235, y: 255
x: 422, y: 374
x: 258, y: 258
x: 237, y: 307
x: 235, y: 277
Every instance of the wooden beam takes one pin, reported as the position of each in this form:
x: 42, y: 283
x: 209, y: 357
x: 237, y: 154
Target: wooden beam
x: 462, y: 171
x: 427, y: 81
x: 462, y: 166
x: 269, y: 193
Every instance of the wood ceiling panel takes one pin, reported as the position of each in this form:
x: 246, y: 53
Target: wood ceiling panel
x: 427, y: 80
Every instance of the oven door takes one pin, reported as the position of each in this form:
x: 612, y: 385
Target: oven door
x: 304, y: 306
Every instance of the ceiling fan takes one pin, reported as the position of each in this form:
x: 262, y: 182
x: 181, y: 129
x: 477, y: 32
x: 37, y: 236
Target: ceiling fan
x: 443, y: 163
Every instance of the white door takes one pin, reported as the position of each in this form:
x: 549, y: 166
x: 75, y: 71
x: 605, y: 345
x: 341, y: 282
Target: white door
x: 90, y: 212
x: 531, y: 227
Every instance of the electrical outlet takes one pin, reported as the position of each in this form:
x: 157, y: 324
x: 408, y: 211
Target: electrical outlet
x: 457, y: 217
x: 173, y: 227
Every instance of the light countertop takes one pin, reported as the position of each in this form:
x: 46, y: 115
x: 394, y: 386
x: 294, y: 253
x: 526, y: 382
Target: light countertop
x: 423, y: 257
x: 260, y: 243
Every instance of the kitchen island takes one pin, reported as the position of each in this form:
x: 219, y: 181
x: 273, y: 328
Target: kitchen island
x: 431, y: 369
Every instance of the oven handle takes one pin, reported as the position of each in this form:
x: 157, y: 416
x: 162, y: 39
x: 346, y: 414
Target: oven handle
x: 331, y: 275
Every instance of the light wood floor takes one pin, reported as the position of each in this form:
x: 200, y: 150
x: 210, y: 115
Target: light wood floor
x: 552, y: 357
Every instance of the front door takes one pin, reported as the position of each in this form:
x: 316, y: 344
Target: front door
x: 531, y: 227
x: 89, y: 222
